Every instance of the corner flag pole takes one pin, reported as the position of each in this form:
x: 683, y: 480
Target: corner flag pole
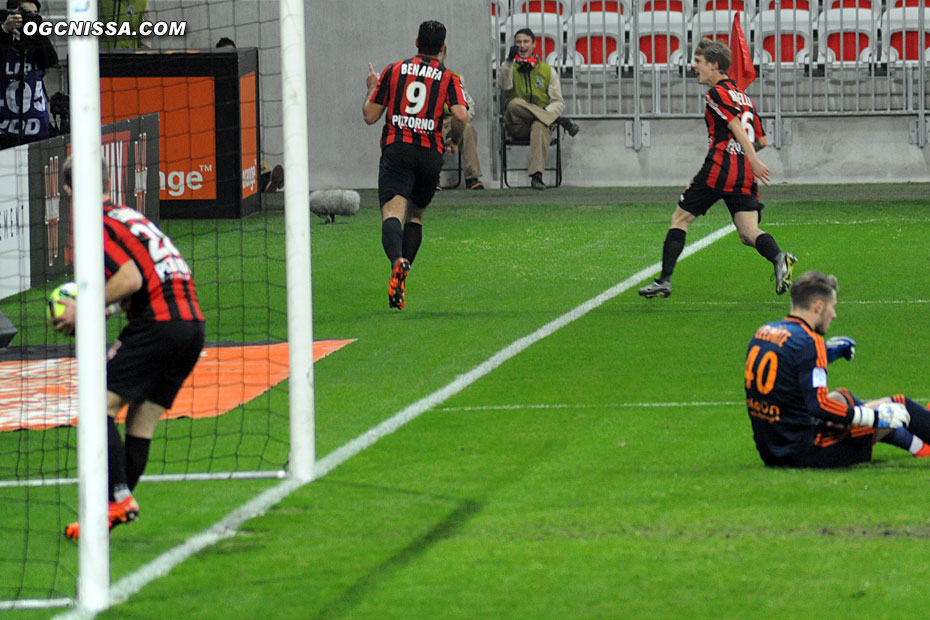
x: 94, y: 543
x: 741, y: 68
x: 297, y: 240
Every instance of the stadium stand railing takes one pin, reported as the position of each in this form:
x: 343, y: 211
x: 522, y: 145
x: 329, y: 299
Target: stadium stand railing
x: 631, y: 59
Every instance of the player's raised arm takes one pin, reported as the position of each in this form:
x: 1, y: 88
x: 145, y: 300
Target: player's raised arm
x: 371, y: 111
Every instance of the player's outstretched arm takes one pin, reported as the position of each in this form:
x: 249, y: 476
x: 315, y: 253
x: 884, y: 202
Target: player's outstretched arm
x: 759, y: 170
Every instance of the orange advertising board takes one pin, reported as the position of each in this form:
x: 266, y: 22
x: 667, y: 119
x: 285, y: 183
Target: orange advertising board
x: 187, y: 143
x: 208, y: 108
x: 248, y: 112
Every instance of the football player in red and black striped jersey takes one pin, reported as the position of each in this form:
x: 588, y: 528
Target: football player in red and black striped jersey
x: 413, y: 91
x: 157, y: 349
x: 730, y: 172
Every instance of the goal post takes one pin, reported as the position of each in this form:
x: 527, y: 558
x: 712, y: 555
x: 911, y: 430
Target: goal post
x: 249, y: 411
x: 94, y: 543
x: 297, y: 218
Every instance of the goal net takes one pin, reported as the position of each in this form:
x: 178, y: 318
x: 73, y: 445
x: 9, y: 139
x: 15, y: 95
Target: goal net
x: 193, y: 138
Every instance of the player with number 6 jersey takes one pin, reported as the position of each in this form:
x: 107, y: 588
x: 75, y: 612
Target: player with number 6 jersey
x: 731, y: 172
x: 412, y: 92
x: 726, y: 167
x: 156, y: 350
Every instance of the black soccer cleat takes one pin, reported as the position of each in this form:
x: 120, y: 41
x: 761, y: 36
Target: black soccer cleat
x: 657, y: 288
x: 784, y: 266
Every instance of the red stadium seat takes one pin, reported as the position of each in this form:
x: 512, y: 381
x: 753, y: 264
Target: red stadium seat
x: 622, y: 7
x: 796, y: 37
x: 802, y: 5
x: 855, y: 4
x: 903, y: 40
x: 558, y: 7
x: 717, y: 25
x: 595, y: 40
x: 547, y: 27
x: 848, y: 36
x: 663, y: 39
x: 748, y: 7
x: 674, y: 7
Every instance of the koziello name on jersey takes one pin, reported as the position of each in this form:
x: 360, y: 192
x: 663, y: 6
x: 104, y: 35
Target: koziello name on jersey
x: 740, y: 98
x: 412, y: 122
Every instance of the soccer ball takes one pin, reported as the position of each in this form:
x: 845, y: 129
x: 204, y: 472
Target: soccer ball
x: 55, y: 308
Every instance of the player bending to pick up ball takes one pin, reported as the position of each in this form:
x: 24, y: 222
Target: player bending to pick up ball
x: 155, y: 351
x: 796, y: 420
x: 730, y: 171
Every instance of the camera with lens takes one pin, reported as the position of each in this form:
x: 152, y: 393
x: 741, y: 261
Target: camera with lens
x: 20, y: 8
x: 28, y: 15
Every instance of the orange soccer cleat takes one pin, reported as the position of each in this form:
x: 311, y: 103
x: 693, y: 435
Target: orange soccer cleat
x: 118, y: 513
x: 396, y: 287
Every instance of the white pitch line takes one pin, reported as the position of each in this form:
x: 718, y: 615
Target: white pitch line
x: 708, y: 403
x: 809, y: 223
x: 669, y: 405
x: 340, y: 455
x: 163, y: 564
x: 781, y: 302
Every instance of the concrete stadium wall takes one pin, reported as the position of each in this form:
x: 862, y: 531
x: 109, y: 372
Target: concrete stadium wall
x: 822, y: 150
x: 343, y: 36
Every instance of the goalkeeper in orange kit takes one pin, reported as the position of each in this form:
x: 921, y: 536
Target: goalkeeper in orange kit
x: 796, y: 420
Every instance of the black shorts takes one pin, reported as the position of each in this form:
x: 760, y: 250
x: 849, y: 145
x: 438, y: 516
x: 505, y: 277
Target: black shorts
x: 698, y: 198
x: 150, y: 360
x: 410, y: 171
x: 834, y: 448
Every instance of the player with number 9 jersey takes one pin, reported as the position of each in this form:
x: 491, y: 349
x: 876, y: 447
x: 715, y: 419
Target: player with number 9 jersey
x: 414, y: 91
x: 412, y: 94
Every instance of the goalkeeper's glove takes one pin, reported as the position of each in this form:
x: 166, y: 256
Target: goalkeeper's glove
x: 514, y: 50
x: 888, y: 415
x: 840, y: 346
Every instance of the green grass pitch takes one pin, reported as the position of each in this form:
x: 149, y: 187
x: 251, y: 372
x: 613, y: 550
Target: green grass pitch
x: 607, y: 471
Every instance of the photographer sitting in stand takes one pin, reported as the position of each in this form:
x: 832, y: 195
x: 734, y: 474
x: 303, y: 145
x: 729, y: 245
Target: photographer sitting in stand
x: 23, y: 117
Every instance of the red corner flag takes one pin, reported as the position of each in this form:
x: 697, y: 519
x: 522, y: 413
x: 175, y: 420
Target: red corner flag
x: 741, y: 68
